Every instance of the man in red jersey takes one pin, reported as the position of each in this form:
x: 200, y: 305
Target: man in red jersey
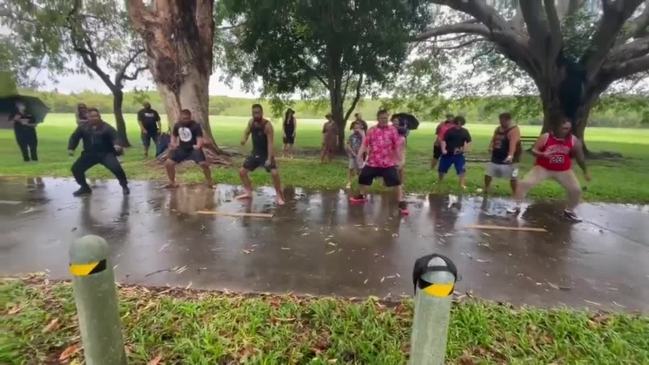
x: 553, y: 153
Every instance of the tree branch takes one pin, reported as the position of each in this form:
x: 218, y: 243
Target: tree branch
x: 134, y: 75
x: 465, y: 27
x: 314, y: 72
x: 120, y: 75
x: 615, y: 14
x: 625, y: 68
x: 463, y: 44
x: 356, y: 97
x: 637, y: 26
x: 537, y: 27
x: 636, y: 48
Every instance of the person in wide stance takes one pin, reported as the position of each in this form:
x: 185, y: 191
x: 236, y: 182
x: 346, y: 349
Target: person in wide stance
x: 99, y: 147
x: 382, y: 145
x: 263, y: 154
x: 186, y: 145
x: 506, y: 149
x: 553, y: 153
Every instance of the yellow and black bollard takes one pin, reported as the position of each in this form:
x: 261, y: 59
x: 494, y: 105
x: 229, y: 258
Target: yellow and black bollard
x: 434, y: 278
x: 96, y: 299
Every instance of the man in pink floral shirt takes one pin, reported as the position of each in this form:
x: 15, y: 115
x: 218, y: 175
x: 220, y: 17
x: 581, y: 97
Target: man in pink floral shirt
x: 382, y: 145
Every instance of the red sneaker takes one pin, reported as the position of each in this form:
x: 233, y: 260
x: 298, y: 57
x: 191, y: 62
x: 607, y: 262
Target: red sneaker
x: 403, y: 208
x: 357, y: 199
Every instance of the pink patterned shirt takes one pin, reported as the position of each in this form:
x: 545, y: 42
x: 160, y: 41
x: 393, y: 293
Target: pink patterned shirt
x: 382, y: 146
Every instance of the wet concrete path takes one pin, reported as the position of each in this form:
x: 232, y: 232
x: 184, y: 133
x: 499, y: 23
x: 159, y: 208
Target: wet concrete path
x: 319, y: 244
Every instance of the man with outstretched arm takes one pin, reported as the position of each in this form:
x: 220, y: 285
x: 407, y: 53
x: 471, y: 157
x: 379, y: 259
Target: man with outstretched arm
x: 553, y: 153
x: 186, y: 145
x: 99, y: 147
x: 263, y: 153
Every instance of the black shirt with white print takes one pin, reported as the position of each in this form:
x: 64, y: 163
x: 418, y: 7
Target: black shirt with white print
x: 187, y: 134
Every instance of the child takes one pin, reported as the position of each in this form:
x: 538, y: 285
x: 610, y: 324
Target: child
x: 403, y: 133
x: 354, y: 143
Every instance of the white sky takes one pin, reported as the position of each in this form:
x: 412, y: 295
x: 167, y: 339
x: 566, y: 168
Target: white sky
x: 76, y: 83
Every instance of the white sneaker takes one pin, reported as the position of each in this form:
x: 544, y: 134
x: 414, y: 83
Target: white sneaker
x: 569, y: 214
x: 514, y: 210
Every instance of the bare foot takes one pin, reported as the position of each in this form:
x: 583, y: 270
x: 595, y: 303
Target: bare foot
x: 171, y: 185
x: 279, y: 201
x: 244, y: 196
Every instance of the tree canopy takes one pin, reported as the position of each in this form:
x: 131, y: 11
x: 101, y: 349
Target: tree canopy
x: 571, y: 50
x: 338, y: 48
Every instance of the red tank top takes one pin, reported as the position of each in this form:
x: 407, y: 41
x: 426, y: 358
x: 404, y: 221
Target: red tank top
x: 560, y: 152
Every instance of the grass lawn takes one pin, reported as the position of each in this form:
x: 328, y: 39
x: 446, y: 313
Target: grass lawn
x: 613, y: 180
x: 38, y: 324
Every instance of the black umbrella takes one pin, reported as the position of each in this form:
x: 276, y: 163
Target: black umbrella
x: 34, y: 106
x: 409, y: 120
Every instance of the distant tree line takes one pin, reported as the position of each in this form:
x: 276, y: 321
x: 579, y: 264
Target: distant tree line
x: 611, y: 111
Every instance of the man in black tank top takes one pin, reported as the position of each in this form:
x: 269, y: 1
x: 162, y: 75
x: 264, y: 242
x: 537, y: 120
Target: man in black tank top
x: 505, y: 148
x: 261, y: 131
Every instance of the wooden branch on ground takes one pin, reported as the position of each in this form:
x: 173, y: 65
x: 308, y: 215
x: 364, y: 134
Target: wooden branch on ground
x: 505, y: 228
x: 235, y: 214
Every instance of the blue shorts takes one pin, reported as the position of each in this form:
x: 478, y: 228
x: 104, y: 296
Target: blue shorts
x: 447, y: 161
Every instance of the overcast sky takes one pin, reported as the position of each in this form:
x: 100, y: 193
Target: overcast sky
x: 77, y: 83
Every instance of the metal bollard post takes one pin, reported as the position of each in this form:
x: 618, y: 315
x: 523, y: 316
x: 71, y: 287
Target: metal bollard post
x: 434, y: 278
x: 96, y: 299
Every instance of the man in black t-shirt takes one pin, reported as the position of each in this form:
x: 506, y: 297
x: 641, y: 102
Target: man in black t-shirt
x: 186, y: 144
x: 25, y: 131
x: 455, y: 143
x: 149, y: 121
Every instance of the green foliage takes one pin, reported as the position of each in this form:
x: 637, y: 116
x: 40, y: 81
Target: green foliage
x: 184, y: 327
x: 330, y: 48
x: 306, y: 171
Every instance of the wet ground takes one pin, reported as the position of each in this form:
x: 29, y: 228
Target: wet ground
x: 319, y: 244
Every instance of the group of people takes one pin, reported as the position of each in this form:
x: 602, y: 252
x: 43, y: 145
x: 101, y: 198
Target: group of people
x: 378, y: 151
x: 553, y: 152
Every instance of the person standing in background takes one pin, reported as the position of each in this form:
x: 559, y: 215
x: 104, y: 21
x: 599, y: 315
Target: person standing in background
x: 289, y: 127
x: 440, y: 132
x: 329, y: 139
x: 149, y: 121
x: 358, y: 118
x: 25, y: 131
x: 82, y: 113
x: 354, y: 143
x: 402, y: 128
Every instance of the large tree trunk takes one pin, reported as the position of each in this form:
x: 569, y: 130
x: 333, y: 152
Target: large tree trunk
x: 118, y: 99
x: 178, y: 38
x: 337, y: 110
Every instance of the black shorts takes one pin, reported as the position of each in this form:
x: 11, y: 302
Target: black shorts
x: 390, y: 175
x: 179, y: 155
x: 437, y: 152
x: 252, y: 162
x: 149, y: 136
x: 289, y: 140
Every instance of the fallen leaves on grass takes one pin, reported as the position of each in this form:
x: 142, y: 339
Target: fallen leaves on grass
x: 69, y: 352
x: 155, y: 361
x: 52, y: 326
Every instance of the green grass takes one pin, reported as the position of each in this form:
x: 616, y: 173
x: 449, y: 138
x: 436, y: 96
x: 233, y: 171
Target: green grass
x: 613, y: 180
x: 185, y: 327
